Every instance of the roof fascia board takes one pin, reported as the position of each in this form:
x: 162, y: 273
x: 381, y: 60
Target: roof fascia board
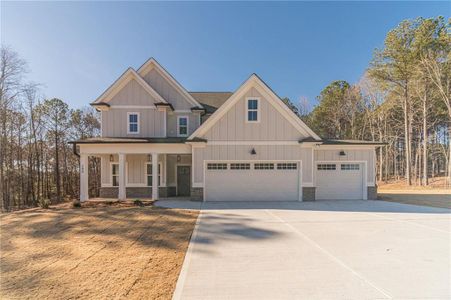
x: 152, y: 62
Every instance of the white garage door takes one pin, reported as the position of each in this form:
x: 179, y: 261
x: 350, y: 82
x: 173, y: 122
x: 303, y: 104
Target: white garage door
x: 252, y: 181
x: 339, y: 181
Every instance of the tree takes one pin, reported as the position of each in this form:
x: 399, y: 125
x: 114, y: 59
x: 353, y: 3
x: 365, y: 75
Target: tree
x: 395, y: 64
x: 291, y: 106
x: 339, y: 111
x: 56, y: 118
x: 435, y: 59
x: 12, y: 70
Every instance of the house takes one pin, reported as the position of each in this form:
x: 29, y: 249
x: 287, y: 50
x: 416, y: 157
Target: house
x: 159, y: 140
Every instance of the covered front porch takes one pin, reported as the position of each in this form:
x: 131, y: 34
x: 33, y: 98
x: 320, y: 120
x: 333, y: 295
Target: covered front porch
x: 127, y: 170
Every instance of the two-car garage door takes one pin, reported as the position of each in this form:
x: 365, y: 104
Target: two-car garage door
x: 252, y: 181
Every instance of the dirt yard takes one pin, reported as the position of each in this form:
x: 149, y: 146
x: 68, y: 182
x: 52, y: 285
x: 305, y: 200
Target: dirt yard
x: 427, y: 197
x: 93, y: 253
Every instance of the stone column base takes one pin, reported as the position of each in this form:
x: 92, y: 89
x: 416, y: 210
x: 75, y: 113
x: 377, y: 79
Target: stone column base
x: 197, y: 193
x: 132, y: 192
x: 372, y: 193
x: 308, y: 193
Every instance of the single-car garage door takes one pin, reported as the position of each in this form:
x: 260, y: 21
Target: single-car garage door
x: 252, y: 181
x: 339, y: 181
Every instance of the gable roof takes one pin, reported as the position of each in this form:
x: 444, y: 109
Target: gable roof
x: 262, y: 87
x: 211, y: 101
x: 152, y: 62
x: 128, y: 75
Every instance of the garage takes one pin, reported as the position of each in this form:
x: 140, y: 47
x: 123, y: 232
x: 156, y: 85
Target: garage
x: 339, y: 181
x: 252, y: 181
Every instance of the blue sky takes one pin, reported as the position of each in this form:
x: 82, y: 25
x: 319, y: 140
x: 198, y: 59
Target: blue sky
x: 77, y: 49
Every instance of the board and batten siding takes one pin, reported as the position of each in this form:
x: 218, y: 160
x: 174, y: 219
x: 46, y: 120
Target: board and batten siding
x: 114, y: 120
x: 193, y: 123
x: 132, y: 94
x: 272, y: 125
x: 151, y: 122
x: 243, y: 152
x: 366, y: 155
x: 166, y: 90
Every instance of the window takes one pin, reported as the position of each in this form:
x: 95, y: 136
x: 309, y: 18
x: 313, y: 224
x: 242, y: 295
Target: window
x: 264, y: 166
x: 287, y: 166
x: 133, y: 122
x: 115, y: 174
x: 252, y: 110
x: 350, y: 167
x: 182, y: 126
x: 240, y: 166
x: 327, y: 167
x: 217, y: 166
x: 149, y: 174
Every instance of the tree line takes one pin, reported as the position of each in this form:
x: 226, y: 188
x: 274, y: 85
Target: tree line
x: 403, y: 99
x: 36, y: 162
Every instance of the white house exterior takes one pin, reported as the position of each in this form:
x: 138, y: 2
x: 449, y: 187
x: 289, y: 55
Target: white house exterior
x: 216, y: 146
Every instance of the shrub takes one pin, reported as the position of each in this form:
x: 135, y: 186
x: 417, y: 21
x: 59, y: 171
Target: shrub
x: 44, y: 203
x: 138, y: 202
x: 76, y: 204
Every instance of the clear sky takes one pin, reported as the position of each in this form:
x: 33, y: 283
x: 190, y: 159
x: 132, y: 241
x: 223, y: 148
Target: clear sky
x: 76, y: 50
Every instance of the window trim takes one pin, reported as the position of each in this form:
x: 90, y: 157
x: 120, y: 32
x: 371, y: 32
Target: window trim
x: 350, y: 167
x: 160, y: 166
x: 293, y: 166
x: 240, y: 166
x: 217, y: 166
x: 262, y: 166
x: 326, y: 167
x: 258, y: 110
x: 128, y: 122
x: 178, y: 126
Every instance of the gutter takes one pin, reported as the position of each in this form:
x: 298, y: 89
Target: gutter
x: 74, y: 148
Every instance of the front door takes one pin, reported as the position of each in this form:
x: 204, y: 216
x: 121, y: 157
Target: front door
x: 183, y: 180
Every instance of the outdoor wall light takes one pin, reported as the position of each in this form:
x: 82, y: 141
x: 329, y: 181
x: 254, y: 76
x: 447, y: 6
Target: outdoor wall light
x: 253, y: 152
x: 179, y: 158
x: 111, y: 158
x: 149, y: 157
x: 342, y: 153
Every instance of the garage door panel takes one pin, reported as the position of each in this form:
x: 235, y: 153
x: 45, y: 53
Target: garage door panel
x: 251, y: 185
x: 343, y: 182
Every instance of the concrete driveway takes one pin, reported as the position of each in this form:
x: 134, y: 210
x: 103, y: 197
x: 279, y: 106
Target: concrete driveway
x: 318, y: 250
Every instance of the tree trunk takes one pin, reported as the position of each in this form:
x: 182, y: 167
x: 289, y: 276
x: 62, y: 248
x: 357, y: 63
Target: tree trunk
x: 425, y: 144
x: 407, y: 133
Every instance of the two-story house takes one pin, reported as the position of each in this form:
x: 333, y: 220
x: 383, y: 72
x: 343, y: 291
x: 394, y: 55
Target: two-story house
x: 159, y: 140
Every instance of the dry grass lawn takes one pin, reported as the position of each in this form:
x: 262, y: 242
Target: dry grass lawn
x: 93, y: 253
x: 435, y: 194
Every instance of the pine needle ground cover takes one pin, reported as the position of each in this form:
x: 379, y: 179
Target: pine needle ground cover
x: 93, y: 253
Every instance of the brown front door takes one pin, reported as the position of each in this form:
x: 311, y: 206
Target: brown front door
x: 183, y: 180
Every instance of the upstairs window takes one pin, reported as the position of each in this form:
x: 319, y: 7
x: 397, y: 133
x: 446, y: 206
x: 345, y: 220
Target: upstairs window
x: 182, y: 126
x: 252, y: 110
x: 132, y: 122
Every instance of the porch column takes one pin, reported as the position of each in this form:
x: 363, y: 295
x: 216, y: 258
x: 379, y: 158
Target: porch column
x: 122, y: 194
x: 84, y: 177
x: 155, y: 176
